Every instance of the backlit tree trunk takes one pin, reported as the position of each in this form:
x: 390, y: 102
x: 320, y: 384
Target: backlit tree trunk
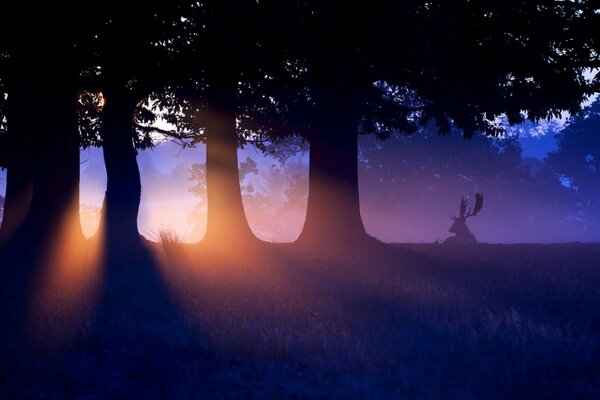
x: 333, y: 210
x: 55, y: 199
x: 17, y: 200
x: 19, y: 180
x: 227, y: 226
x: 43, y: 187
x: 123, y: 188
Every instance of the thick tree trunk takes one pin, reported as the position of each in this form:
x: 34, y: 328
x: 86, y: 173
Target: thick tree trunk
x: 123, y: 188
x: 227, y: 226
x: 333, y: 211
x: 55, y: 200
x: 19, y: 141
x: 43, y: 178
x: 17, y: 200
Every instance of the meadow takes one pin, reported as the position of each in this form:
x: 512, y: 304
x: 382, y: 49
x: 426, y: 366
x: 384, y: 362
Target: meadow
x: 418, y: 321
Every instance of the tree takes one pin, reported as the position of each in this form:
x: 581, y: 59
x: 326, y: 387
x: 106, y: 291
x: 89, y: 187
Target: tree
x: 39, y: 67
x: 221, y: 71
x: 410, y: 185
x: 576, y: 166
x: 460, y: 64
x: 275, y: 198
x: 128, y: 60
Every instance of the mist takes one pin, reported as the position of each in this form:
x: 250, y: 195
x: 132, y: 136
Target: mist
x: 410, y: 186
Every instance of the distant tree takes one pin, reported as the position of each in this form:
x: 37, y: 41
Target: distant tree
x: 576, y: 166
x: 274, y: 197
x: 276, y: 200
x: 409, y: 184
x: 1, y: 208
x: 221, y: 81
x: 197, y: 176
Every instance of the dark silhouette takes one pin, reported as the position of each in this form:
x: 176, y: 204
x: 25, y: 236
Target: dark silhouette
x: 575, y: 166
x: 89, y: 321
x: 40, y: 66
x: 462, y: 234
x: 220, y: 72
x: 120, y: 44
x: 431, y: 70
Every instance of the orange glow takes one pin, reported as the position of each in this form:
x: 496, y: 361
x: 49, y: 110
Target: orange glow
x: 90, y: 219
x: 66, y: 286
x: 185, y: 218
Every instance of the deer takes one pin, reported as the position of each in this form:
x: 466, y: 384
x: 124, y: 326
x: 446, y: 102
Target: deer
x: 462, y: 234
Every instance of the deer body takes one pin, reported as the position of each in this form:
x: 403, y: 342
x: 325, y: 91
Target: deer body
x: 462, y: 234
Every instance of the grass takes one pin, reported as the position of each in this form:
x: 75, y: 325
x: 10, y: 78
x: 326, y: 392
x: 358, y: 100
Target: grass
x: 406, y: 321
x: 167, y: 237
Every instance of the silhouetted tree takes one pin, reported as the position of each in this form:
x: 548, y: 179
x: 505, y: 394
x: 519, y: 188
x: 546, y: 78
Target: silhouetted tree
x: 222, y: 70
x: 41, y: 70
x: 128, y: 59
x: 576, y: 166
x: 407, y: 182
x: 275, y: 197
x: 461, y: 64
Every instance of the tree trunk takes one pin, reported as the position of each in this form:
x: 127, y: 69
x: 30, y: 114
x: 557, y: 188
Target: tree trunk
x: 227, y: 226
x: 55, y: 199
x: 123, y: 188
x: 19, y: 182
x: 18, y: 199
x: 43, y: 177
x: 333, y: 211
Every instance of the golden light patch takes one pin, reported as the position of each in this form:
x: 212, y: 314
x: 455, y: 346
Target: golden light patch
x: 65, y: 287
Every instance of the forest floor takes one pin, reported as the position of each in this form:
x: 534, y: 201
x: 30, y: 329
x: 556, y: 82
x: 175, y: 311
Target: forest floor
x: 398, y: 321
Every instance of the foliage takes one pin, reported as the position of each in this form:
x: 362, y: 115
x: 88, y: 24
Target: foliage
x: 274, y: 193
x: 576, y: 165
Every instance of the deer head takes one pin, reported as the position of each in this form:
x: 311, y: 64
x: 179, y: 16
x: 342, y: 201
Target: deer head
x: 459, y: 227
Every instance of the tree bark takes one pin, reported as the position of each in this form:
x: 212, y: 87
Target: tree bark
x: 43, y: 177
x: 123, y: 187
x: 19, y: 182
x: 227, y: 226
x: 333, y: 210
x: 19, y: 186
x: 55, y: 199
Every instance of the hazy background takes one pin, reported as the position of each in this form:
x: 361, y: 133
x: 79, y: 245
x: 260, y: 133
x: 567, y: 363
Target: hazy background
x: 535, y: 191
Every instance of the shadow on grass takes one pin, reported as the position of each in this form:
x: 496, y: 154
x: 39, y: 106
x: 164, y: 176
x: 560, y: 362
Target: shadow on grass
x: 181, y: 321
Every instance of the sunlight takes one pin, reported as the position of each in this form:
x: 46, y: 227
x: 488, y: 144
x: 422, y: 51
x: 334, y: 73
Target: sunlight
x: 92, y: 186
x: 275, y: 194
x: 90, y: 219
x: 167, y: 196
x: 66, y: 285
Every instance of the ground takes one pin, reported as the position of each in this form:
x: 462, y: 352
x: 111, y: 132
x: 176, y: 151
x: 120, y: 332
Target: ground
x: 396, y: 321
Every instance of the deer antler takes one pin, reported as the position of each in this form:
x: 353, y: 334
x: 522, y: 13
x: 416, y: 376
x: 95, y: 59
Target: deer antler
x: 463, y: 206
x: 478, y: 205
